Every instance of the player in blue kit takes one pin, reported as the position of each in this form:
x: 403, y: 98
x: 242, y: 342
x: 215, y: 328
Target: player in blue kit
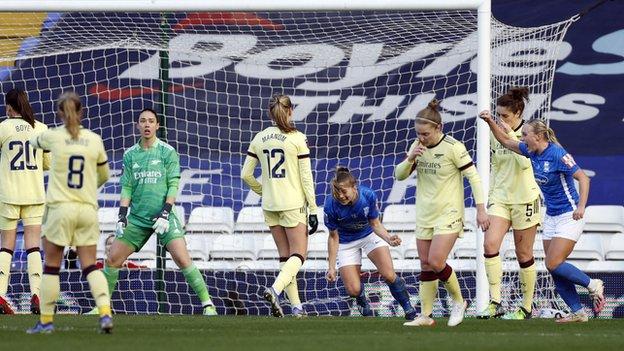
x: 555, y: 171
x: 352, y: 217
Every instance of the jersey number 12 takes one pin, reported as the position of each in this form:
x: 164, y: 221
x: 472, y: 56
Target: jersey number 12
x: 276, y: 172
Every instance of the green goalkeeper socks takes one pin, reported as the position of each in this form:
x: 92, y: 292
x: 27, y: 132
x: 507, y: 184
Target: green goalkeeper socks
x: 112, y: 275
x: 196, y: 281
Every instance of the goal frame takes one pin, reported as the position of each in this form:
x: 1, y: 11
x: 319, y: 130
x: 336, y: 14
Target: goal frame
x: 483, y: 8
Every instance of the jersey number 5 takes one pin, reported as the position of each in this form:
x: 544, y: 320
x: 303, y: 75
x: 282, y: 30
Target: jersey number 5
x: 22, y: 159
x: 75, y: 176
x: 276, y: 172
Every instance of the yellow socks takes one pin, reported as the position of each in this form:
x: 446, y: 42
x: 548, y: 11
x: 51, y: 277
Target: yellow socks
x: 528, y: 276
x: 35, y: 270
x: 287, y: 273
x: 99, y: 289
x: 494, y: 272
x: 50, y: 290
x: 427, y: 291
x: 448, y: 276
x: 6, y: 256
x: 292, y: 290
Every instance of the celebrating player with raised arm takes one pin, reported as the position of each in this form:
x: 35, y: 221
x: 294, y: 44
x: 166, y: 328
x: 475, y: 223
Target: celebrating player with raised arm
x: 79, y: 166
x: 352, y: 216
x: 22, y: 194
x: 554, y: 171
x: 514, y: 201
x: 149, y: 186
x: 288, y: 198
x: 440, y: 161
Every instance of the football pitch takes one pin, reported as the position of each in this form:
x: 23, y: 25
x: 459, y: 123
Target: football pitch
x: 177, y: 333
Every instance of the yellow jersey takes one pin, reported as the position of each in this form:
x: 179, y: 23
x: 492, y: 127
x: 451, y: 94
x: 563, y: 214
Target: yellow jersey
x: 512, y: 181
x: 21, y: 166
x: 439, y: 182
x: 78, y: 167
x: 287, y: 182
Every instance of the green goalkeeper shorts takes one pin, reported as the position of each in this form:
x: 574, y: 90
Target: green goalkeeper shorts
x: 136, y: 236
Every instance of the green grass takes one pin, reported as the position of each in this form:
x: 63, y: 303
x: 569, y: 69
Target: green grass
x: 182, y: 333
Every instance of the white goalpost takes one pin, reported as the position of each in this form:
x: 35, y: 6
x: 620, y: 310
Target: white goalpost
x: 357, y: 71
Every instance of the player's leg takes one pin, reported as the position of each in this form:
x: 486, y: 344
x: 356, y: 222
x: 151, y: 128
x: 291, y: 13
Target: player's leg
x: 177, y: 247
x: 441, y: 246
x: 50, y: 287
x: 9, y: 215
x: 291, y: 290
x: 524, y: 240
x: 499, y: 216
x: 295, y: 226
x: 350, y: 275
x: 32, y: 242
x: 133, y: 239
x: 6, y: 256
x: 85, y: 238
x: 378, y: 252
x: 98, y: 286
x: 428, y: 285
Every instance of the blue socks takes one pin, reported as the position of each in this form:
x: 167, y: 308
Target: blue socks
x: 567, y: 291
x: 571, y: 273
x: 565, y: 277
x: 361, y: 299
x: 399, y: 292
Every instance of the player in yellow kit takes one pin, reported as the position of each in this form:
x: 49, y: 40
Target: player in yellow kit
x: 440, y: 162
x: 288, y: 198
x: 514, y: 201
x: 22, y: 194
x: 79, y: 166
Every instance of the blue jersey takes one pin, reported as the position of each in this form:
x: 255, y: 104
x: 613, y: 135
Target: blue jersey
x: 351, y: 221
x: 553, y: 171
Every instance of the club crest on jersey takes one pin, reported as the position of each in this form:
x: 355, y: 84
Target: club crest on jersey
x: 546, y: 166
x: 366, y: 211
x: 154, y: 162
x: 568, y: 160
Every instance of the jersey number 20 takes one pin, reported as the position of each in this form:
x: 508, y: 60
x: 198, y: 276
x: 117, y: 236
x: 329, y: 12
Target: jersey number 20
x: 75, y: 176
x: 276, y: 172
x: 22, y: 159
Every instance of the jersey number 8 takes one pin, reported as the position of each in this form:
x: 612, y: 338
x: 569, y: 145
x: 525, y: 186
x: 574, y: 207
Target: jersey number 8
x: 75, y: 177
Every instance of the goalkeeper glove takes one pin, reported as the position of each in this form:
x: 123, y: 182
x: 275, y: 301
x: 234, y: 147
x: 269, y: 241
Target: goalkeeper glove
x: 122, y: 221
x: 313, y: 221
x: 161, y: 223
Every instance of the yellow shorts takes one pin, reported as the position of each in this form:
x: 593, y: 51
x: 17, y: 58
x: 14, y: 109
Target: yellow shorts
x: 29, y: 214
x: 521, y: 216
x: 288, y: 219
x: 453, y: 227
x: 71, y: 224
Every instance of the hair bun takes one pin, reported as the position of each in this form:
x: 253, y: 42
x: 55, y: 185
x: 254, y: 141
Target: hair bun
x: 342, y: 169
x: 433, y: 104
x: 519, y: 93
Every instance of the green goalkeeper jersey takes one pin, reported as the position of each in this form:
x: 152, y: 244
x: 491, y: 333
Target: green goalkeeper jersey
x: 149, y: 177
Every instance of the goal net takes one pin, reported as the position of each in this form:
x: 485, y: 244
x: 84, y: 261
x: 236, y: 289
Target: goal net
x: 357, y: 79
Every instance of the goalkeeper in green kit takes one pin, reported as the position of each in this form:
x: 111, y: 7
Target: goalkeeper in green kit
x: 149, y: 185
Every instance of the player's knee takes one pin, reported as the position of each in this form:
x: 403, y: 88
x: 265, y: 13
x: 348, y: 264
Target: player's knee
x: 552, y: 263
x: 437, y: 264
x: 353, y: 290
x: 490, y: 247
x: 524, y: 255
x: 113, y: 261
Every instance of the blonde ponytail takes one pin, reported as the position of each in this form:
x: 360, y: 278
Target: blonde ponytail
x: 70, y: 109
x: 279, y: 110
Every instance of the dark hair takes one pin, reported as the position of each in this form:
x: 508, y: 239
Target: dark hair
x: 18, y: 100
x: 279, y: 108
x: 343, y: 175
x: 430, y: 114
x: 147, y: 109
x: 514, y: 99
x: 70, y: 107
x: 540, y: 128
